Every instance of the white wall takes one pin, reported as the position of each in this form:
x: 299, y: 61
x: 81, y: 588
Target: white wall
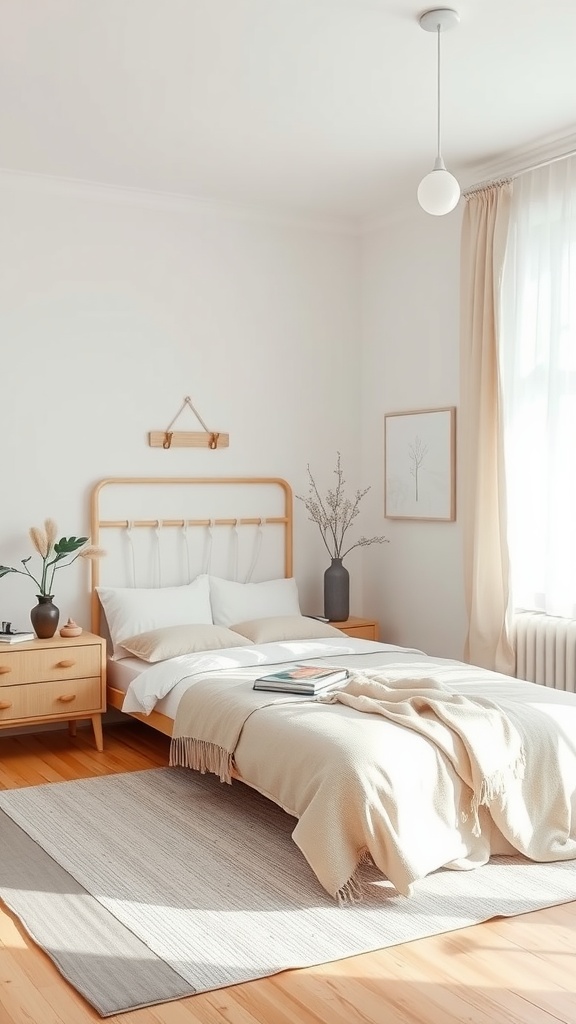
x: 414, y: 584
x: 294, y: 339
x: 113, y: 307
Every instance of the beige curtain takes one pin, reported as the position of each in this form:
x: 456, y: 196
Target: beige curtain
x: 482, y: 490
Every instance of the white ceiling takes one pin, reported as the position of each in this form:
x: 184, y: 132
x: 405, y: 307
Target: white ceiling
x: 313, y: 107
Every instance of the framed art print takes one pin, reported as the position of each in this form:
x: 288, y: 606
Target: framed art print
x: 420, y: 464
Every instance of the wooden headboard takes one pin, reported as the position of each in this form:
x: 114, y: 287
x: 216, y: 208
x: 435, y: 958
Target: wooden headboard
x: 151, y: 505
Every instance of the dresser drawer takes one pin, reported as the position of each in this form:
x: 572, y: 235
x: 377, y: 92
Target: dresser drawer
x: 362, y: 632
x: 36, y: 700
x: 49, y: 663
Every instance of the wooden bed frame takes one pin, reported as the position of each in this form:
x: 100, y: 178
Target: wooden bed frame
x: 162, y: 723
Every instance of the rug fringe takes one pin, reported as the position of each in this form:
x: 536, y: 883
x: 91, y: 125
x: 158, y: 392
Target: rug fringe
x: 186, y: 752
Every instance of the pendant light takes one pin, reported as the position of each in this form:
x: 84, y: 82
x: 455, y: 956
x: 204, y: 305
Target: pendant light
x: 439, y: 192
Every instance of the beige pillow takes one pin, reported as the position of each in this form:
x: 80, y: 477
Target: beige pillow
x: 173, y: 641
x: 285, y: 627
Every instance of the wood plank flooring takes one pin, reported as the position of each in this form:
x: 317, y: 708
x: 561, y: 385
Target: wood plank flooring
x: 509, y: 971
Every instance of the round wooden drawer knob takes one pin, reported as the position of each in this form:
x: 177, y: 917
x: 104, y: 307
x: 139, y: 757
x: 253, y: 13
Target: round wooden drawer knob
x: 4, y: 704
x: 4, y: 669
x: 66, y: 663
x: 67, y: 697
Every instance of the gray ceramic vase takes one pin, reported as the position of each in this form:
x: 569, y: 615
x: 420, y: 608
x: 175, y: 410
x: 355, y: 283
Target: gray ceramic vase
x: 336, y: 591
x: 44, y: 617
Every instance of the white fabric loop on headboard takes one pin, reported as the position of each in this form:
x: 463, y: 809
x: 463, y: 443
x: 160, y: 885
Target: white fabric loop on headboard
x: 187, y: 550
x: 157, y: 531
x: 257, y: 545
x: 234, y: 551
x: 207, y: 561
x: 130, y: 538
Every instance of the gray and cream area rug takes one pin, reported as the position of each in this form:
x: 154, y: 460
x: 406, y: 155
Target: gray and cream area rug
x: 151, y: 886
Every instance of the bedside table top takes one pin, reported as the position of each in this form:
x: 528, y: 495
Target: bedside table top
x: 55, y: 641
x: 354, y: 620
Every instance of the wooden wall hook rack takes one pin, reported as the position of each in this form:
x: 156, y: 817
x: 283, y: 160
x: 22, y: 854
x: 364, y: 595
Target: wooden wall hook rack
x: 187, y: 438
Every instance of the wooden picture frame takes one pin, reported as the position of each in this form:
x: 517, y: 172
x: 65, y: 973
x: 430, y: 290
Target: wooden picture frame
x: 420, y: 464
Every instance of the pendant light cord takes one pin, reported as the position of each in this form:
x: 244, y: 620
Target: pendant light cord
x: 439, y: 31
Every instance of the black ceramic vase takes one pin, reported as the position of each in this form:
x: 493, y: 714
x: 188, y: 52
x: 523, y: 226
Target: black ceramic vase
x: 44, y: 617
x: 336, y: 591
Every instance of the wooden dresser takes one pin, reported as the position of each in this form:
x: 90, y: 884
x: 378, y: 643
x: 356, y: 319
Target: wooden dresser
x: 54, y: 680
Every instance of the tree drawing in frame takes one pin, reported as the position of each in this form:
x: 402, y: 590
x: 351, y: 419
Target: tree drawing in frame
x: 419, y: 452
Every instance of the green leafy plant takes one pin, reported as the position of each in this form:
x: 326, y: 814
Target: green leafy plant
x: 334, y: 513
x: 55, y: 554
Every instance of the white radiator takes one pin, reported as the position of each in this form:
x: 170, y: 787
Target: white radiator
x: 545, y: 648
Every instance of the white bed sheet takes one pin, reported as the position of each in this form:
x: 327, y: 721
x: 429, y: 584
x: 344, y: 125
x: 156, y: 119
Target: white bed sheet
x: 123, y: 672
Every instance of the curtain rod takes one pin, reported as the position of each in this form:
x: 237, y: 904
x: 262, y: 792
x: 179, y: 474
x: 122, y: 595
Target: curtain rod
x: 517, y: 174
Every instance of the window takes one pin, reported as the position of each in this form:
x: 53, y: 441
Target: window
x: 538, y: 378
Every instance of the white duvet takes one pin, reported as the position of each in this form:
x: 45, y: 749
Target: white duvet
x: 156, y: 682
x: 405, y: 796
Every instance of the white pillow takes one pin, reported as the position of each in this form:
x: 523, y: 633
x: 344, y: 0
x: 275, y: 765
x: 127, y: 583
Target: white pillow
x: 238, y: 602
x: 285, y: 627
x: 130, y: 610
x: 174, y: 641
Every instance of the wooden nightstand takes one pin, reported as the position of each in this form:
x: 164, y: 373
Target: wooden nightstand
x: 54, y: 680
x: 364, y: 629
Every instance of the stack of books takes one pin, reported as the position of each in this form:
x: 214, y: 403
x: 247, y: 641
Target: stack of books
x: 16, y: 637
x: 304, y: 679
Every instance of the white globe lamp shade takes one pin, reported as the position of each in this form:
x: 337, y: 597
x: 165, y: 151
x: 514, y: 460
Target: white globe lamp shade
x: 438, y: 192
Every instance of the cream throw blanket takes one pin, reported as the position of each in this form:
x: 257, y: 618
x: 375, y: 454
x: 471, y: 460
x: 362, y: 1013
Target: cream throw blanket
x: 476, y: 736
x: 483, y: 742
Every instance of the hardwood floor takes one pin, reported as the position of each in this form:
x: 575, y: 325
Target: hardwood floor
x: 509, y: 971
